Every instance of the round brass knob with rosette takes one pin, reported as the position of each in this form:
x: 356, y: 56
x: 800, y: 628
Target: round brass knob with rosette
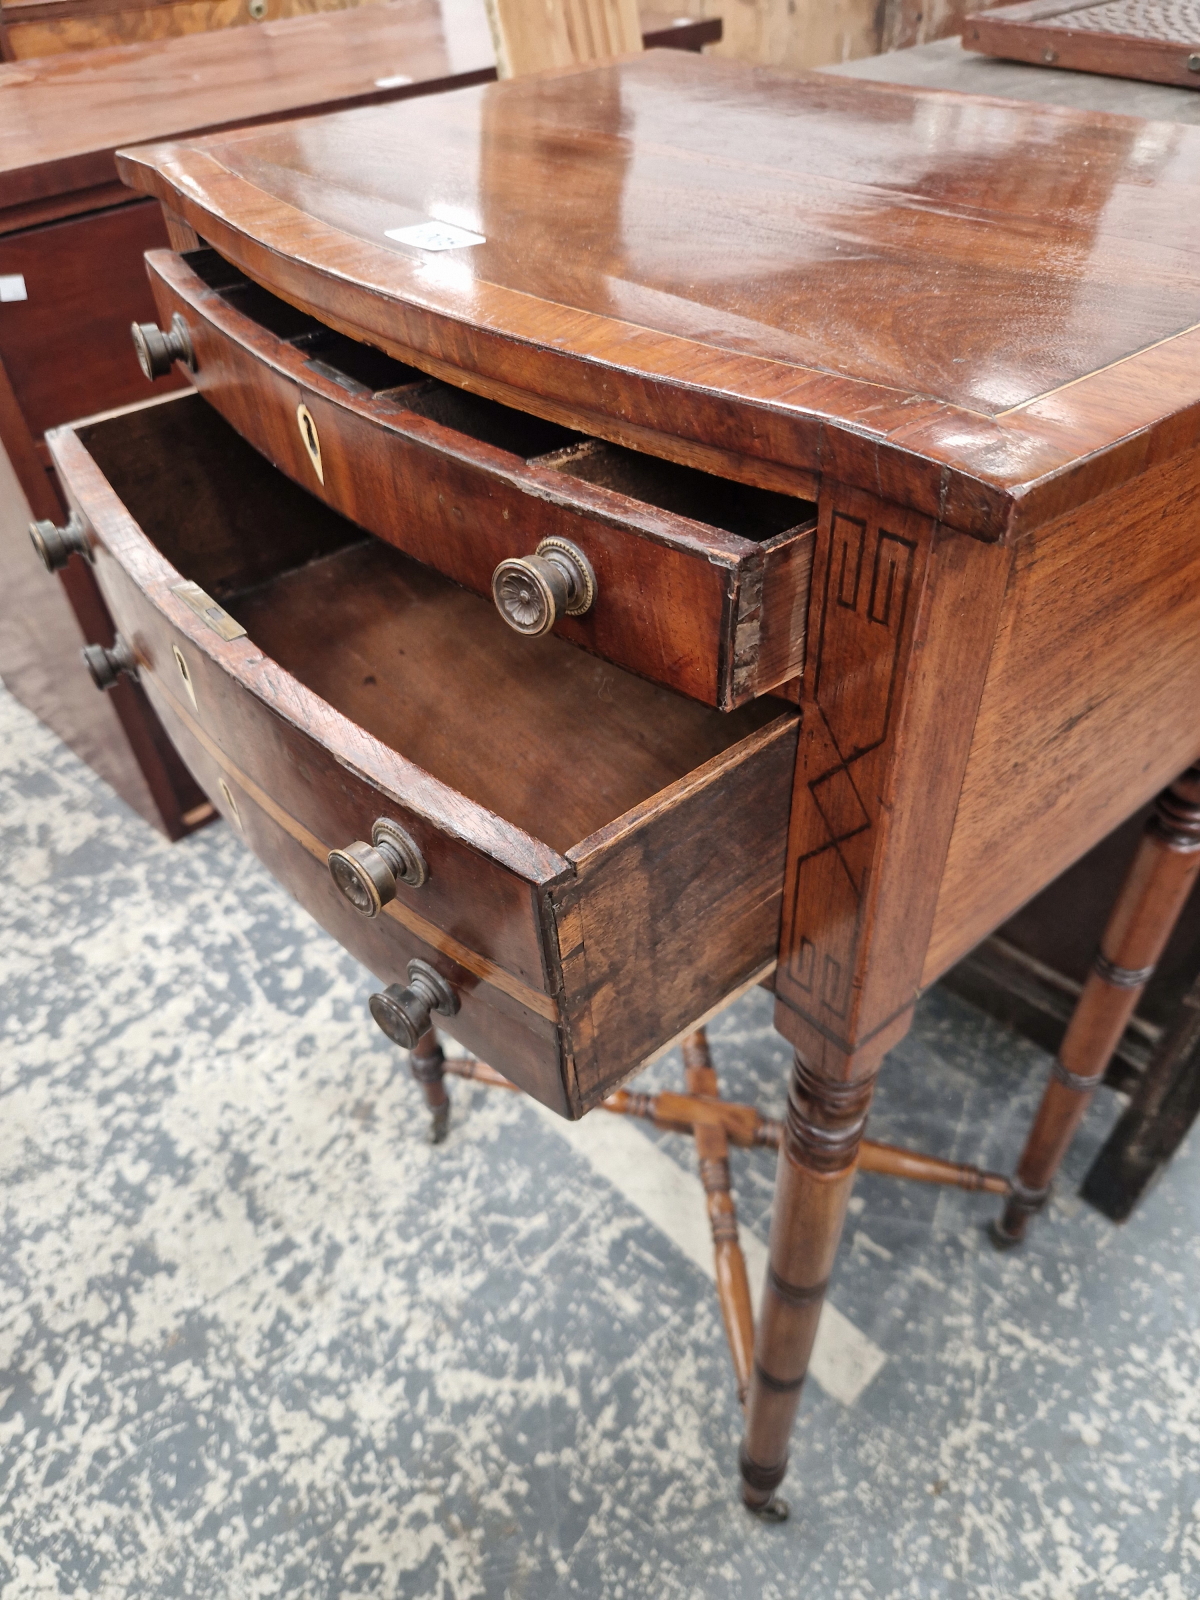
x: 157, y: 352
x: 532, y: 592
x: 57, y: 545
x: 106, y: 663
x: 404, y: 1014
x: 367, y: 874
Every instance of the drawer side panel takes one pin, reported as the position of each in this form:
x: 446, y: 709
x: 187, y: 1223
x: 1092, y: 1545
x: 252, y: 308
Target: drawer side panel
x: 675, y: 908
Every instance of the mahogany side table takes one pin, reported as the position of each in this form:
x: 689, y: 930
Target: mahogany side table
x: 783, y: 555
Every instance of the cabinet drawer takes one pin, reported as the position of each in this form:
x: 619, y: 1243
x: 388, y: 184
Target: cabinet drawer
x: 604, y: 858
x: 700, y: 583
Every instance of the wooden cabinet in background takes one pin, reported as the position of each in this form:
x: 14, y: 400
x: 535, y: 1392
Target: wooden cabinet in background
x: 72, y: 240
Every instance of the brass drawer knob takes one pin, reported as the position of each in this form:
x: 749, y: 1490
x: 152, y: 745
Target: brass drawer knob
x: 367, y: 873
x: 57, y: 545
x: 404, y: 1014
x: 107, y: 663
x: 532, y: 592
x: 157, y: 351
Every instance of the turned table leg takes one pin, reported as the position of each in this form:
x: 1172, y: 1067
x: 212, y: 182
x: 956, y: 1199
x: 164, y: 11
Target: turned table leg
x: 1163, y: 1108
x: 1151, y: 898
x: 428, y: 1067
x: 712, y: 1148
x: 817, y: 1163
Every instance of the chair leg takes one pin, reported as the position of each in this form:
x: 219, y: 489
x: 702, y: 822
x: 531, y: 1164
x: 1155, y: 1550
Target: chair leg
x: 1147, y: 908
x: 712, y: 1147
x: 428, y: 1066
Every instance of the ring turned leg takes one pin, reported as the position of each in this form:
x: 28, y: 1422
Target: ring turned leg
x: 1146, y: 911
x: 428, y: 1067
x: 817, y: 1162
x: 712, y: 1147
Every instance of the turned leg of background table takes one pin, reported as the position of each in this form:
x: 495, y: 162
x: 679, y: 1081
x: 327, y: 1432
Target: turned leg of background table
x: 1156, y: 1121
x: 428, y: 1067
x: 1147, y: 907
x: 817, y: 1163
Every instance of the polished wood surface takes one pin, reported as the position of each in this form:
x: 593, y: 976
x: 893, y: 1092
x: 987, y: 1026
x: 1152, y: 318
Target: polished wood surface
x: 54, y: 160
x: 1158, y: 40
x: 990, y: 364
x: 1094, y: 651
x: 700, y: 584
x: 63, y: 213
x: 1030, y: 974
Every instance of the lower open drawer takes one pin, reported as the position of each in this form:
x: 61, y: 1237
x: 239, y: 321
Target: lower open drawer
x: 603, y: 859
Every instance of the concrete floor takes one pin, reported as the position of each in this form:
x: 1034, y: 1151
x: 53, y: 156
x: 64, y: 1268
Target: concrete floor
x: 258, y: 1339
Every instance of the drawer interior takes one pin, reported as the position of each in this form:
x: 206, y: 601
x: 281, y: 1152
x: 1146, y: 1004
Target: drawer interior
x: 751, y: 513
x: 546, y: 736
x: 759, y: 515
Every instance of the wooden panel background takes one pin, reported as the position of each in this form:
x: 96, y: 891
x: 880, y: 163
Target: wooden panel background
x: 816, y: 33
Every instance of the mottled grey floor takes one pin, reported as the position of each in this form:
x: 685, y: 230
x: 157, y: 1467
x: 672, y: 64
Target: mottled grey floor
x: 258, y: 1339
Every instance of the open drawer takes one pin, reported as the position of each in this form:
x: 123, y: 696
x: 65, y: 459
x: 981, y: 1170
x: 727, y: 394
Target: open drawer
x: 602, y: 859
x: 699, y: 583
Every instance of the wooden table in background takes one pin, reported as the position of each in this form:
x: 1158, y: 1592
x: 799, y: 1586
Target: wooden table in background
x: 76, y: 236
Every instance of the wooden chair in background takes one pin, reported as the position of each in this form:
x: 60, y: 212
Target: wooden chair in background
x: 535, y: 35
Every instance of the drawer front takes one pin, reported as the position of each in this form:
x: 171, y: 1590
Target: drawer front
x: 571, y: 965
x: 464, y: 484
x: 504, y: 1021
x: 289, y: 791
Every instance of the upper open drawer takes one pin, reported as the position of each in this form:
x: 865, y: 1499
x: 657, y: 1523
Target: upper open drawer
x: 695, y: 581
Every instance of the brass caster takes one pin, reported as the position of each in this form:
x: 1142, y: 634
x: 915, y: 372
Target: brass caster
x: 1000, y: 1240
x: 775, y: 1510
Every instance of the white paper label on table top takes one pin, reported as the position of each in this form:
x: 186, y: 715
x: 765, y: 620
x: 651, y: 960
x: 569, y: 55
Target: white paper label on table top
x: 12, y: 286
x: 435, y: 236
